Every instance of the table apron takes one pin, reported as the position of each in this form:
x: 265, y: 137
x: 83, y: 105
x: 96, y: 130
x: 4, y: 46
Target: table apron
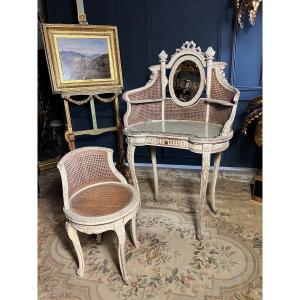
x: 195, y: 147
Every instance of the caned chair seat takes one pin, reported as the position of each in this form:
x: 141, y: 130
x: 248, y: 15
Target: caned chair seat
x: 97, y: 198
x: 101, y: 200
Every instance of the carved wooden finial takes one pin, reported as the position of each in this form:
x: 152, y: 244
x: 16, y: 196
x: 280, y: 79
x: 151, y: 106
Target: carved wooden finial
x: 163, y: 56
x: 82, y: 19
x: 210, y: 52
x: 80, y: 13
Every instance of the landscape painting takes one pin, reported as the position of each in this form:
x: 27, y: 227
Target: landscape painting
x: 83, y: 58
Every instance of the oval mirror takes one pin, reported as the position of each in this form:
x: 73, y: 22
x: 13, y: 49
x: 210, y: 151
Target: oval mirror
x: 186, y: 81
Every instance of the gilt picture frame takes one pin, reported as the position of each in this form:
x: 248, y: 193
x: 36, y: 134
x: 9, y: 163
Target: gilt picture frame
x: 83, y: 58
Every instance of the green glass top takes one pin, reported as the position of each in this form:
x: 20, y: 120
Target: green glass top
x: 186, y: 128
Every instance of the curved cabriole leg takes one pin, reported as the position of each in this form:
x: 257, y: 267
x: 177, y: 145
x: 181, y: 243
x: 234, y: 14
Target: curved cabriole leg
x: 203, y: 188
x: 120, y: 231
x: 133, y: 232
x: 211, y: 199
x: 73, y: 235
x: 130, y: 159
x: 154, y: 167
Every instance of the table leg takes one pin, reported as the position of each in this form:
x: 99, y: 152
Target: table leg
x: 99, y: 237
x: 130, y: 159
x: 154, y: 167
x: 203, y: 188
x: 211, y: 199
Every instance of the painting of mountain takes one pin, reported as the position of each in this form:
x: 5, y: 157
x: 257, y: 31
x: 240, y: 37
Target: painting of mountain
x: 83, y: 58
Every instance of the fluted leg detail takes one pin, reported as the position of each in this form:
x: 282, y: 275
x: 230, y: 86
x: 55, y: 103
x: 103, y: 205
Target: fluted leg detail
x: 154, y: 167
x: 203, y: 188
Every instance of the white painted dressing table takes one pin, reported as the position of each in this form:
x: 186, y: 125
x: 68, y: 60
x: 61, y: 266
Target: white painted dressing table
x: 184, y: 119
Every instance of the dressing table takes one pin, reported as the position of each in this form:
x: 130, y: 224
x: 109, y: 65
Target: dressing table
x: 170, y: 111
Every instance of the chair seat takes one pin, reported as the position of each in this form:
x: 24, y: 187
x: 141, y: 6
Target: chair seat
x: 101, y: 200
x: 176, y: 127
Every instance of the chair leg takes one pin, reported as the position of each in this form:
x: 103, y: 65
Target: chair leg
x: 120, y: 231
x: 203, y: 188
x: 73, y: 235
x: 154, y: 167
x: 133, y: 232
x: 130, y: 159
x: 211, y: 199
x: 99, y: 238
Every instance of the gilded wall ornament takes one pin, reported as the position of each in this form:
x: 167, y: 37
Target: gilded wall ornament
x: 254, y: 115
x: 249, y: 6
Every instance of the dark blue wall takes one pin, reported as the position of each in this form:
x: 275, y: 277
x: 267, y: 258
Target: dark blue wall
x: 145, y: 28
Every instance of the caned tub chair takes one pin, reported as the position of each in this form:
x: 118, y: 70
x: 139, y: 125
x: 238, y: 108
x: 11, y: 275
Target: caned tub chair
x: 186, y: 104
x: 97, y: 198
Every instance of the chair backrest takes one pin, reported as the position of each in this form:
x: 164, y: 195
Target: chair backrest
x: 84, y: 167
x: 152, y: 102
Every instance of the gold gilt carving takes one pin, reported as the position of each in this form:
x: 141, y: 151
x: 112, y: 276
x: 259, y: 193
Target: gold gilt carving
x: 69, y: 136
x: 246, y: 6
x: 254, y: 115
x: 82, y: 19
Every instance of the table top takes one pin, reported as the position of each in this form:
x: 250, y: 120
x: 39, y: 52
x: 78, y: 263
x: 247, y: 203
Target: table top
x: 176, y: 127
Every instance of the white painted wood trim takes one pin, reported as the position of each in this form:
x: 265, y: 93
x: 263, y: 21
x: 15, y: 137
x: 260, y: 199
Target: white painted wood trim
x: 209, y: 61
x: 164, y: 81
x: 153, y: 77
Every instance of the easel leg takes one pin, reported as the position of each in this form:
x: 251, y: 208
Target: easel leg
x: 69, y: 136
x: 203, y: 188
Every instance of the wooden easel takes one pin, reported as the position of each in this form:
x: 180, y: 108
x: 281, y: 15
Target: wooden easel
x: 70, y: 134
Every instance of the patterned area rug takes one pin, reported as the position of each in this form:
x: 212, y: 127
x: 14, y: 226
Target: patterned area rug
x: 170, y: 263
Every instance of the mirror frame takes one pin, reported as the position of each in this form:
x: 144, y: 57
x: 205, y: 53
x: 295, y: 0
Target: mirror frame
x: 197, y: 96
